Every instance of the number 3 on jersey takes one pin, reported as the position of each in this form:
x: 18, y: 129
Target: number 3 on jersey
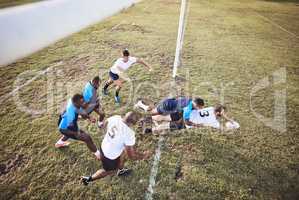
x: 204, y: 113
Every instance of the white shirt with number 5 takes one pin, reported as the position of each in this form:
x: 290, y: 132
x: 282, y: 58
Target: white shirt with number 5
x: 118, y: 136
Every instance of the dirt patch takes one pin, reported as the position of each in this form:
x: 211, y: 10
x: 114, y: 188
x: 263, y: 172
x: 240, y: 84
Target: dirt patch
x: 130, y: 28
x: 12, y: 164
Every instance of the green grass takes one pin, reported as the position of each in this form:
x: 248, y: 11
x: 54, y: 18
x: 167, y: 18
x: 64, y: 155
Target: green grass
x: 225, y: 41
x: 9, y: 3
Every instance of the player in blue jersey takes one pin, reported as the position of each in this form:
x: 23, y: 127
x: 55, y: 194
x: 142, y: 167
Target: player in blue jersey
x: 68, y: 125
x: 91, y: 100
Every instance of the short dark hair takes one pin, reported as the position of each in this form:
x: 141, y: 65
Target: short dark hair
x: 199, y: 101
x: 96, y: 79
x: 219, y: 108
x: 76, y: 98
x: 132, y: 117
x: 126, y: 52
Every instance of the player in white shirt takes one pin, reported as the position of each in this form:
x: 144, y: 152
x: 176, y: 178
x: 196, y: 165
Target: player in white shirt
x: 121, y: 65
x: 209, y: 117
x: 118, y: 142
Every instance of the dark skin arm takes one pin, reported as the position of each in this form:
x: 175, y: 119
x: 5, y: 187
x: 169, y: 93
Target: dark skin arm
x: 134, y: 155
x: 189, y: 123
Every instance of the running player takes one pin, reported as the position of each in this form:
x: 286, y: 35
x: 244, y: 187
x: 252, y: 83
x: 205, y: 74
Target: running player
x: 91, y: 101
x: 118, y: 142
x: 68, y: 126
x: 121, y: 65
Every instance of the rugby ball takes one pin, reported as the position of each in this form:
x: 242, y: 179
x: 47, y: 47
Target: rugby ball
x: 232, y: 125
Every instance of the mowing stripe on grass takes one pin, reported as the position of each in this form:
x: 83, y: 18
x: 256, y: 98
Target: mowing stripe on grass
x: 179, y: 44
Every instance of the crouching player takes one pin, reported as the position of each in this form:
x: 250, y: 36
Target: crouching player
x: 118, y: 142
x: 68, y: 126
x: 91, y: 100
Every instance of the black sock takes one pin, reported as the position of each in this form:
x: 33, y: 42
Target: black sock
x: 89, y: 179
x: 117, y: 92
x: 107, y: 84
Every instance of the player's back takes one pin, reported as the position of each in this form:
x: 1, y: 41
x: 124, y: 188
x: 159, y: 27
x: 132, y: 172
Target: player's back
x: 205, y: 116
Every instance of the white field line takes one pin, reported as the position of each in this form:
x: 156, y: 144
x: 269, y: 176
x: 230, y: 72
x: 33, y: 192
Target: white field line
x: 154, y: 170
x: 276, y: 25
x: 39, y: 73
x: 180, y: 37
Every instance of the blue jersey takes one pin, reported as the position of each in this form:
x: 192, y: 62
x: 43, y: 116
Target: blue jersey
x: 69, y: 117
x: 88, y: 92
x: 187, y: 111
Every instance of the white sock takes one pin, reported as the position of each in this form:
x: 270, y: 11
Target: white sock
x: 60, y: 141
x: 141, y: 105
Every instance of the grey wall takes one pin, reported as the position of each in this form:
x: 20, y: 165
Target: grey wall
x: 29, y: 28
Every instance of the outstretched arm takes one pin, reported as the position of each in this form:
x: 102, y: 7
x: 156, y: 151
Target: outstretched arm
x: 144, y: 64
x: 134, y: 155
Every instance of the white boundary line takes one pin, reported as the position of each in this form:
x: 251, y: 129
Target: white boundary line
x: 179, y: 44
x: 276, y: 25
x: 154, y: 170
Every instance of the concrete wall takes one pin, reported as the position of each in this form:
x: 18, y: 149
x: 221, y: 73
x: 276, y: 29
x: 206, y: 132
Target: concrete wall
x: 29, y: 28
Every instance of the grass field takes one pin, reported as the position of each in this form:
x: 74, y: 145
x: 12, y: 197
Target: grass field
x: 229, y: 47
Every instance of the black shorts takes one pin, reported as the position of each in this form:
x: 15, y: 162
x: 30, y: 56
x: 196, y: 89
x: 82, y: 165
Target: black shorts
x: 69, y: 133
x: 178, y: 125
x: 113, y: 76
x: 66, y: 132
x: 108, y: 164
x: 176, y: 116
x: 167, y: 106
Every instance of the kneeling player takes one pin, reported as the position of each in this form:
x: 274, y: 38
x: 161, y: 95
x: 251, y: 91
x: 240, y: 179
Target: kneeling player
x: 118, y: 142
x: 91, y: 101
x: 68, y: 126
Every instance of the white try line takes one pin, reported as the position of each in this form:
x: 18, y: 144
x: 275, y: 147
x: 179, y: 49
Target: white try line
x: 276, y: 25
x: 179, y: 44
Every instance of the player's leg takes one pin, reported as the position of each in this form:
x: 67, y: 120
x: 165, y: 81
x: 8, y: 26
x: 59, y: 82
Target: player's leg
x: 100, y: 111
x: 106, y: 85
x: 84, y: 137
x: 160, y: 118
x: 119, y: 84
x: 142, y: 105
x: 122, y: 171
x: 97, y: 175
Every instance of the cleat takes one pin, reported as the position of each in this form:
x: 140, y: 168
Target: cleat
x: 86, y: 180
x: 137, y: 105
x: 105, y: 92
x: 61, y: 145
x: 117, y: 99
x: 124, y: 172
